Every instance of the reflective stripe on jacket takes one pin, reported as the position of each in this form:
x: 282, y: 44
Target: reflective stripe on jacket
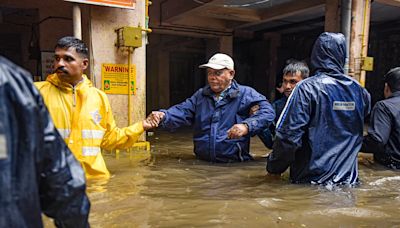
x: 83, y: 116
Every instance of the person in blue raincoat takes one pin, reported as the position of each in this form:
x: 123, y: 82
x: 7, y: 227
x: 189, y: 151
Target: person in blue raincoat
x: 38, y: 173
x: 219, y: 113
x: 320, y: 130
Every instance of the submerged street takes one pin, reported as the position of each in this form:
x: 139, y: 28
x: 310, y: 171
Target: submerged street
x: 171, y: 188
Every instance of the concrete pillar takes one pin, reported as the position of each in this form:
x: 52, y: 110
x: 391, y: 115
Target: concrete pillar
x: 104, y: 21
x: 361, y: 10
x: 226, y: 45
x: 332, y: 16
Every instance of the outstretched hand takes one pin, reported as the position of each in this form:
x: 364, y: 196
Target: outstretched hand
x: 237, y: 131
x: 153, y: 120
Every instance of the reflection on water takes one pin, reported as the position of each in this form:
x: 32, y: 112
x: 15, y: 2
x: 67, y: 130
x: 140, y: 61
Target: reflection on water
x: 171, y: 188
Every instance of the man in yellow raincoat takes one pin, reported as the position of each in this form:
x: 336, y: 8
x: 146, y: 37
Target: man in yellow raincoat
x: 81, y: 112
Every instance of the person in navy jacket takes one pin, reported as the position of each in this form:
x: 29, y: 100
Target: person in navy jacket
x: 383, y: 139
x: 294, y: 72
x: 320, y: 131
x: 219, y: 114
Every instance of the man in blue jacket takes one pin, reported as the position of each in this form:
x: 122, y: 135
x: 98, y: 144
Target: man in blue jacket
x: 38, y: 173
x: 219, y: 113
x: 320, y: 130
x: 383, y: 137
x: 294, y: 72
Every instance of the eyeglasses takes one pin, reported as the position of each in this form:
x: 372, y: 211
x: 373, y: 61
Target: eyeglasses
x: 215, y: 72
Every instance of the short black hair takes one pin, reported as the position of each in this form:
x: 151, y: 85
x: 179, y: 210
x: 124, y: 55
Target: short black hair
x: 70, y: 41
x: 295, y: 66
x: 392, y: 78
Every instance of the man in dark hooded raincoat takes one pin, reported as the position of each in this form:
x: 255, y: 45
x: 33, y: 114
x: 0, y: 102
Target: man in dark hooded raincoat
x: 321, y: 128
x: 38, y: 173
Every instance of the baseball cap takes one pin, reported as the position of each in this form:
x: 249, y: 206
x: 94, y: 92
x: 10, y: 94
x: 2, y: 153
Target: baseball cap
x: 219, y: 61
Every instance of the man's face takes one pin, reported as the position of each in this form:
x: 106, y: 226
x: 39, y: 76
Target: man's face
x: 219, y: 79
x: 69, y: 65
x: 289, y: 82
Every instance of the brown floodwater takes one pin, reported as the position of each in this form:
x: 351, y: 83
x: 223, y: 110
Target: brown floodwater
x: 169, y: 187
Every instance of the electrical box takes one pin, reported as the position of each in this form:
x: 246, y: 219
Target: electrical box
x: 367, y: 63
x: 129, y: 37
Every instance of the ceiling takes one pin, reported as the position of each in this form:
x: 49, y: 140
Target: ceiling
x: 259, y: 15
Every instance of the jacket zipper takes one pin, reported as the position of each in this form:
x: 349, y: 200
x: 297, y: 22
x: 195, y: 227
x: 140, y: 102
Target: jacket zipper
x: 73, y: 97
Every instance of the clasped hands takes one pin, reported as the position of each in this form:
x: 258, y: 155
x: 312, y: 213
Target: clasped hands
x: 153, y: 120
x: 155, y: 117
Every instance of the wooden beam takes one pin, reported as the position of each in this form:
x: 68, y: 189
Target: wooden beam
x: 177, y: 43
x: 188, y: 32
x: 211, y: 9
x: 389, y: 2
x: 229, y: 13
x: 285, y: 10
x: 201, y: 23
x: 173, y: 8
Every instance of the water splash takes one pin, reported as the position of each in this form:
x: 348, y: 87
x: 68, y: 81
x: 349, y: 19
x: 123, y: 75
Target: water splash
x: 383, y: 180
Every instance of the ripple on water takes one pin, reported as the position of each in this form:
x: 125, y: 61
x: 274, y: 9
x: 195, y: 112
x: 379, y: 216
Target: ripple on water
x: 352, y: 212
x: 384, y: 179
x: 269, y: 202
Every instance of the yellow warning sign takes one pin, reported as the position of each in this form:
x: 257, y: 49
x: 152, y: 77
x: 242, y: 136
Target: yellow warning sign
x: 114, y: 78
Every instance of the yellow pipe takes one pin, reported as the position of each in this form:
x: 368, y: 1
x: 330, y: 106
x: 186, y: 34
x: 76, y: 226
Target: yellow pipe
x: 129, y: 86
x: 363, y: 43
x: 147, y: 7
x: 146, y: 29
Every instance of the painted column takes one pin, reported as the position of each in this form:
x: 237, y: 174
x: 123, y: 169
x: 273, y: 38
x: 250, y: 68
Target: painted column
x: 361, y: 10
x: 77, y: 21
x: 103, y: 22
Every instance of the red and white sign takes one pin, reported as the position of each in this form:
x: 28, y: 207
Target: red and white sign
x: 130, y: 4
